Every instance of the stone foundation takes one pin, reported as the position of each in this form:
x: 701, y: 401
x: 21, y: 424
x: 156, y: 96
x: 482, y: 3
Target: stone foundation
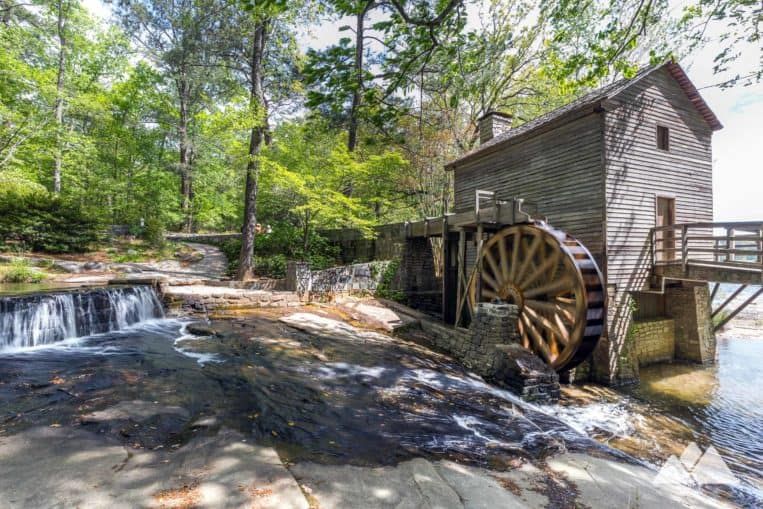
x: 491, y: 349
x: 689, y: 306
x: 654, y: 340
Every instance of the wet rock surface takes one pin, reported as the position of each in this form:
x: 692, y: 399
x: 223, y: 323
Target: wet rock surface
x: 329, y: 393
x: 151, y: 416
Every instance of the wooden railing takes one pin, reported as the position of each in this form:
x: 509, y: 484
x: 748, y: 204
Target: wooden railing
x: 728, y: 245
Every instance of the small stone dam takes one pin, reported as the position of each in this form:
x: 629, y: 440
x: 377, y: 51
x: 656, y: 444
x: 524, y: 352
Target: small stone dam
x: 45, y: 318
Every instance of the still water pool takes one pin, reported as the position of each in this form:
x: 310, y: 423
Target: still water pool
x: 722, y: 404
x: 677, y: 404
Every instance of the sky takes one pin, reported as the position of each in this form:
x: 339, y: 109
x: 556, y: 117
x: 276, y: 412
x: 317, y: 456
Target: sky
x: 737, y: 148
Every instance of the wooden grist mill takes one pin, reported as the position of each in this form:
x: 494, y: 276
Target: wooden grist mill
x: 549, y: 275
x: 625, y: 176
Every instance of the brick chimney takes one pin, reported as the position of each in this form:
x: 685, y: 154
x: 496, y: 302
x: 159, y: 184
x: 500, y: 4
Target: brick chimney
x: 492, y: 124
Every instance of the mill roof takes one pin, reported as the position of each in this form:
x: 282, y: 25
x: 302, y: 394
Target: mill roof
x: 590, y: 101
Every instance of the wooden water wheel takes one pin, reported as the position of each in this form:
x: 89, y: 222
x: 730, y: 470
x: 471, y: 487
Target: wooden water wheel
x: 556, y: 284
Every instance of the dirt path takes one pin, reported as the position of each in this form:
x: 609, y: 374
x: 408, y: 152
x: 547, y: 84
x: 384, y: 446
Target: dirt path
x: 212, y: 266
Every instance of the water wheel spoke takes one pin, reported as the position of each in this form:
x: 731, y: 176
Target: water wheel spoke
x: 487, y: 278
x: 490, y: 294
x: 538, y: 343
x: 503, y: 256
x: 516, y: 247
x: 544, y: 267
x: 496, y: 271
x: 523, y: 334
x: 561, y: 333
x: 560, y: 309
x: 553, y: 288
x: 528, y: 256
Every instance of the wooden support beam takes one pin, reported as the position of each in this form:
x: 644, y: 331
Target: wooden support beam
x: 715, y: 290
x: 726, y: 302
x: 738, y: 309
x: 480, y: 244
x: 444, y: 258
x: 461, y: 276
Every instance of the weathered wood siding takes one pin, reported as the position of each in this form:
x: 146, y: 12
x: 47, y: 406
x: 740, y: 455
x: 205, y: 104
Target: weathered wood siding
x: 638, y: 172
x: 559, y: 170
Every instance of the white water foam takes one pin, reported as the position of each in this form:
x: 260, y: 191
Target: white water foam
x: 201, y: 357
x: 37, y: 320
x: 614, y: 419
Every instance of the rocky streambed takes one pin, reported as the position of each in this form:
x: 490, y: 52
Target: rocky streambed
x: 287, y: 409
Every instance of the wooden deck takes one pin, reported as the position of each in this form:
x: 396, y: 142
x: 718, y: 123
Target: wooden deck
x: 717, y: 252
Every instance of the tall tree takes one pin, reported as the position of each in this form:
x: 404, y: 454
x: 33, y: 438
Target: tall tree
x: 267, y: 51
x: 179, y: 37
x: 62, y: 14
x: 357, y: 79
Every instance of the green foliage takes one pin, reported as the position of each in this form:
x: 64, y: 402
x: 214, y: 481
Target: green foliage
x: 425, y: 79
x: 19, y: 271
x: 153, y: 233
x: 275, y: 249
x: 384, y: 289
x: 37, y: 220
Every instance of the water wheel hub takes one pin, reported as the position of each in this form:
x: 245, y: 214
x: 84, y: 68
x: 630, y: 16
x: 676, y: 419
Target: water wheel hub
x: 512, y: 294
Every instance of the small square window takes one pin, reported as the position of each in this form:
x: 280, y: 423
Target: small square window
x: 663, y: 138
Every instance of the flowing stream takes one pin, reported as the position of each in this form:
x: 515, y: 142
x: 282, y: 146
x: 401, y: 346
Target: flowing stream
x: 35, y: 320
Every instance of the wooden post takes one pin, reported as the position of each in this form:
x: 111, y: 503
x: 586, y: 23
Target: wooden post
x: 760, y: 248
x: 730, y: 244
x: 480, y: 242
x: 728, y: 300
x: 654, y: 249
x: 684, y: 246
x: 460, y: 276
x: 444, y: 256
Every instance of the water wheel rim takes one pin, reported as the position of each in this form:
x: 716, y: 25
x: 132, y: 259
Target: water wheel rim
x: 563, y: 336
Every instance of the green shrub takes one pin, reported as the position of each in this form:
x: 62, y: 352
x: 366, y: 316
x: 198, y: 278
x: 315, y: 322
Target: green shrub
x: 272, y: 251
x: 40, y: 221
x: 270, y: 266
x: 153, y: 232
x: 384, y: 289
x: 231, y: 249
x: 20, y: 271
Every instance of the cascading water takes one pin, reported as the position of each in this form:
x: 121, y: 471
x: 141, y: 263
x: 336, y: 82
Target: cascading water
x: 34, y: 320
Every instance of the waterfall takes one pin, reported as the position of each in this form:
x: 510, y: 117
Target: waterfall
x: 41, y: 319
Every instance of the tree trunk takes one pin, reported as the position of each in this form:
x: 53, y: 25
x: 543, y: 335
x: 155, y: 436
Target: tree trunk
x: 59, y: 106
x: 6, y: 11
x: 256, y: 137
x: 352, y: 128
x: 186, y: 180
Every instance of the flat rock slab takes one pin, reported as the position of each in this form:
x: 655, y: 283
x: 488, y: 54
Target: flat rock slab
x: 70, y: 467
x: 604, y: 483
x: 135, y: 410
x: 389, y: 319
x: 323, y: 326
x: 417, y: 483
x: 569, y: 480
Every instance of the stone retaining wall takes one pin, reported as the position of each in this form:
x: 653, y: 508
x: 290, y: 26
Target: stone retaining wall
x: 654, y: 340
x: 208, y: 299
x: 490, y: 348
x: 309, y: 284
